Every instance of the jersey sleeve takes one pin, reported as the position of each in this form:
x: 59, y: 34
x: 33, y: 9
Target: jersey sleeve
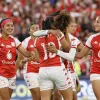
x: 88, y: 42
x: 75, y: 43
x: 24, y: 44
x: 78, y: 41
x: 18, y: 43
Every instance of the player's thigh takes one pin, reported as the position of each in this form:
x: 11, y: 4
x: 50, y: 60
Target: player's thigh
x: 67, y: 93
x: 12, y: 84
x: 96, y: 87
x: 95, y: 81
x: 35, y: 93
x: 4, y: 88
x: 4, y: 93
x: 46, y: 94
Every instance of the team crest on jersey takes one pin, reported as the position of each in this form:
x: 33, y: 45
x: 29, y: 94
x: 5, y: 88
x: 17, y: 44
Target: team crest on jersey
x: 31, y: 46
x: 2, y: 45
x: 9, y: 56
x: 13, y: 44
x: 99, y: 54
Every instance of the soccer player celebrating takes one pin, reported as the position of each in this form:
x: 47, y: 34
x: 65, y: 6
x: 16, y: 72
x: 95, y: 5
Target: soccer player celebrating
x: 93, y: 43
x: 52, y: 70
x: 8, y: 46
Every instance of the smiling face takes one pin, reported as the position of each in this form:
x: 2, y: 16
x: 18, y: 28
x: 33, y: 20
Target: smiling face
x: 33, y: 28
x: 8, y: 28
x: 97, y: 24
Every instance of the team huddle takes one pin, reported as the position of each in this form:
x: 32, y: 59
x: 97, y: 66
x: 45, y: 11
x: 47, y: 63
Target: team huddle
x: 47, y: 57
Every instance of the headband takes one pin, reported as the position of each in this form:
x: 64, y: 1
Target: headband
x: 5, y: 21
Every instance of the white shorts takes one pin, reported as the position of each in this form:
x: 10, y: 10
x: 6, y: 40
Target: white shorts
x: 32, y: 80
x: 94, y: 77
x: 72, y: 79
x: 53, y: 75
x: 8, y: 82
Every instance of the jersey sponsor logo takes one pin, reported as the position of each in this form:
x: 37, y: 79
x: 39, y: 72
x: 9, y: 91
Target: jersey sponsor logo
x: 33, y: 62
x: 31, y: 46
x: 8, y: 62
x: 2, y: 45
x: 96, y: 60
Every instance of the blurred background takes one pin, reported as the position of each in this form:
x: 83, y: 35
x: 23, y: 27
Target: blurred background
x: 23, y: 12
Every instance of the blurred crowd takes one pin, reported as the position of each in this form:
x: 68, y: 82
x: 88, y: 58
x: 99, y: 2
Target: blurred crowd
x: 23, y: 12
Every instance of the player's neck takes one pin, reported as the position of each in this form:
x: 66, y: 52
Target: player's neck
x: 5, y: 36
x: 33, y: 37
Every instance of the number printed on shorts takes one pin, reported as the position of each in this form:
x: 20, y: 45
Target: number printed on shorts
x: 13, y: 83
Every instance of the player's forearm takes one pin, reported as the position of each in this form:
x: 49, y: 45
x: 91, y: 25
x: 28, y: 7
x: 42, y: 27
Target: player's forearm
x: 68, y: 56
x: 17, y: 63
x: 40, y: 33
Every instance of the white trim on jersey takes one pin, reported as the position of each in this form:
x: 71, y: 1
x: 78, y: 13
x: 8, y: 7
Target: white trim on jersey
x: 17, y: 42
x: 25, y: 42
x: 73, y: 37
x: 88, y: 42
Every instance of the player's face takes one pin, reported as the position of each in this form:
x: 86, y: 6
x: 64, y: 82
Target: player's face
x: 34, y: 28
x: 72, y: 28
x: 8, y: 28
x: 97, y: 24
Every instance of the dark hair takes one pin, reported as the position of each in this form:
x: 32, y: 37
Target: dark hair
x: 59, y: 20
x: 47, y: 24
x: 2, y: 21
x: 55, y: 13
x: 62, y: 20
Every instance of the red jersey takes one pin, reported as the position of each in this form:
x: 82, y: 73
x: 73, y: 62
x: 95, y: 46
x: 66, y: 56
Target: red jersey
x: 8, y: 56
x: 69, y: 64
x: 31, y: 66
x: 48, y: 59
x: 93, y: 43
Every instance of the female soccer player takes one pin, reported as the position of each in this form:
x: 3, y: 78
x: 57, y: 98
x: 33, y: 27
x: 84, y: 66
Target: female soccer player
x: 74, y: 41
x: 93, y: 43
x: 52, y: 68
x: 8, y: 46
x: 31, y: 67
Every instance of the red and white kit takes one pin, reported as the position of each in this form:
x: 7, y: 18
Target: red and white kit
x: 93, y: 43
x: 70, y: 65
x: 31, y: 68
x: 52, y: 68
x: 7, y: 61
